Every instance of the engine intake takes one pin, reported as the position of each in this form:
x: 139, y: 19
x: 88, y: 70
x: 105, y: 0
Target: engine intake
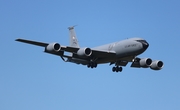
x: 84, y: 52
x: 53, y: 47
x: 145, y: 62
x: 157, y: 65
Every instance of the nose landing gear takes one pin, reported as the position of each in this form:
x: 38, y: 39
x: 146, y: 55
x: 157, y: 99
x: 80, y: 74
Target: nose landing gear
x: 117, y: 69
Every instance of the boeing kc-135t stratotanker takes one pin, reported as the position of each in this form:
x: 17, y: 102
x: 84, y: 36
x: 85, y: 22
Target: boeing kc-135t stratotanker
x: 117, y: 53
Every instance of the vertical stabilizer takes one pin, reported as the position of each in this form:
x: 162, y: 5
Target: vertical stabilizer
x: 73, y: 38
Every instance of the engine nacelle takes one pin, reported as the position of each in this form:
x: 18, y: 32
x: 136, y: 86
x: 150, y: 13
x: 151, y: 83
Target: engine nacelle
x: 145, y: 62
x: 53, y: 47
x: 84, y: 52
x: 156, y: 65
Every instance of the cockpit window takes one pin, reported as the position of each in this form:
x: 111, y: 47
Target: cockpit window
x: 142, y: 41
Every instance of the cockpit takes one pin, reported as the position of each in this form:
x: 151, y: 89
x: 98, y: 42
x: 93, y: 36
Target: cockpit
x: 144, y: 43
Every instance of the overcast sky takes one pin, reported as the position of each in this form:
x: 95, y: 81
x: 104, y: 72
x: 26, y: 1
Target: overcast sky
x: 33, y: 80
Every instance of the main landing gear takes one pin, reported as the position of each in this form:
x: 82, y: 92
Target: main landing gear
x: 92, y: 65
x: 117, y: 69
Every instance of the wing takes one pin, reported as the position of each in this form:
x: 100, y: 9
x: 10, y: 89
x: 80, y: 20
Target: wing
x: 33, y: 42
x: 95, y: 53
x: 42, y: 44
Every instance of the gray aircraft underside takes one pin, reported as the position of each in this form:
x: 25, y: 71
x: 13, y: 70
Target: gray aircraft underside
x: 117, y: 53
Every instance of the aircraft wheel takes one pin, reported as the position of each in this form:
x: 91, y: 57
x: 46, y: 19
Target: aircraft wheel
x: 117, y: 69
x: 88, y: 66
x: 114, y: 69
x: 95, y: 65
x: 120, y: 69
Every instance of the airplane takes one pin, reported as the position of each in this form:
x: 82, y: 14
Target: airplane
x: 118, y: 53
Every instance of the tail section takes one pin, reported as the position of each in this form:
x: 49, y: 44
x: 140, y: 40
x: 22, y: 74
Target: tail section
x: 73, y: 38
x: 68, y: 57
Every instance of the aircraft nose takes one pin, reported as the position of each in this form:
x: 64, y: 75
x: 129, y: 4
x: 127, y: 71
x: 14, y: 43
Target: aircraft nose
x: 145, y: 44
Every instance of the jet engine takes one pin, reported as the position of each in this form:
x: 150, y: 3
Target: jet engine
x: 53, y: 47
x: 84, y: 52
x: 156, y: 65
x: 145, y: 62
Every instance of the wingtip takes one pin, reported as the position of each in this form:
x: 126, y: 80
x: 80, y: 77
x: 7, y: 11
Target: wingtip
x: 16, y: 39
x: 20, y: 40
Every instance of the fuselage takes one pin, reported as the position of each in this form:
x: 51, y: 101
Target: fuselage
x: 124, y: 49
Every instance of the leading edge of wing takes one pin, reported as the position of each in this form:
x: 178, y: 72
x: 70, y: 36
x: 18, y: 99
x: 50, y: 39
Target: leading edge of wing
x: 33, y: 42
x: 95, y: 53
